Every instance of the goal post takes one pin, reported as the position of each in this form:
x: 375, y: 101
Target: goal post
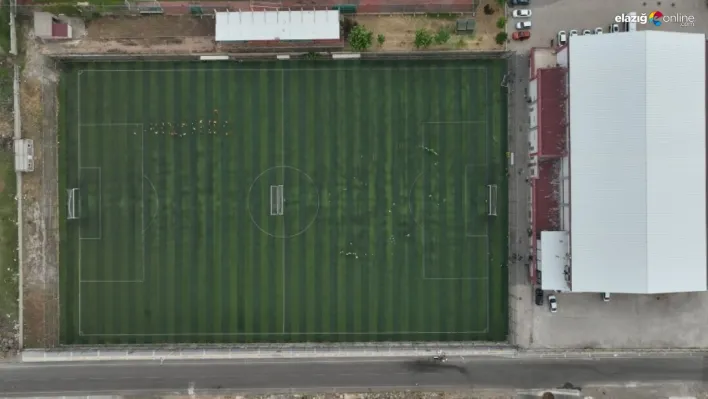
x: 276, y: 200
x: 492, y: 199
x: 73, y: 194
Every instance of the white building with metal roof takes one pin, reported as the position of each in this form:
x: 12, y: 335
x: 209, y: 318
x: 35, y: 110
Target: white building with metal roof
x: 637, y: 152
x: 287, y: 25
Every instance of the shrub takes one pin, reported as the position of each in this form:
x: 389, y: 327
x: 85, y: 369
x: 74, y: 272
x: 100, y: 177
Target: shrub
x: 423, y: 38
x: 461, y: 43
x: 501, y: 23
x: 488, y: 10
x: 501, y: 3
x: 347, y: 25
x: 381, y: 39
x: 443, y: 36
x: 501, y: 38
x: 361, y: 38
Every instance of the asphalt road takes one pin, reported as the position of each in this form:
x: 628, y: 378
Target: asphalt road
x: 340, y: 375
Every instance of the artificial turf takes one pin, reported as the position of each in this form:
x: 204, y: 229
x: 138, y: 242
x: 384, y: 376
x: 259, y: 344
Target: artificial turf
x: 384, y: 233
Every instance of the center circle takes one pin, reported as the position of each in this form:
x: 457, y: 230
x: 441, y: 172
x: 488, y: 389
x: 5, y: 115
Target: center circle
x: 283, y: 201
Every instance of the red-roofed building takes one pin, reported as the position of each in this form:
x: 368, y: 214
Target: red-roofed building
x: 548, y: 146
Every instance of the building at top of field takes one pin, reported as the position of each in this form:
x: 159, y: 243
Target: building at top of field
x: 618, y: 163
x: 275, y: 26
x: 48, y: 26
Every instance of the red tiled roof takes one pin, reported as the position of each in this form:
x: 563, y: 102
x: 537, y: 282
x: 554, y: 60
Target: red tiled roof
x: 60, y: 30
x: 551, y: 112
x: 547, y: 196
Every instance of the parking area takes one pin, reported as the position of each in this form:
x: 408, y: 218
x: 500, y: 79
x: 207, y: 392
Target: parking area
x: 551, y: 16
x: 584, y: 320
x: 626, y: 321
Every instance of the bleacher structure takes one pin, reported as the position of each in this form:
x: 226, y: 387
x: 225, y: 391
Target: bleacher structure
x: 24, y: 155
x: 466, y: 26
x: 492, y: 201
x: 145, y: 7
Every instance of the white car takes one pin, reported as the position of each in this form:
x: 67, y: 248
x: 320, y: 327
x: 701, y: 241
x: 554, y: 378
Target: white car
x: 523, y: 25
x: 521, y: 13
x: 562, y: 38
x: 573, y: 32
x: 553, y: 303
x: 587, y: 32
x: 598, y: 31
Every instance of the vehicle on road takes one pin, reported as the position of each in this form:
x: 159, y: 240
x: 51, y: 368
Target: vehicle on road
x: 523, y: 25
x: 553, y: 303
x: 521, y: 35
x: 521, y: 13
x: 514, y: 3
x: 539, y: 297
x: 562, y: 38
x: 605, y: 296
x: 573, y: 32
x: 598, y: 31
x: 587, y: 32
x: 614, y: 28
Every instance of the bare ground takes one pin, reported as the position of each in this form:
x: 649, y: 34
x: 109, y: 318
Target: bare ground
x: 399, y: 31
x: 149, y: 27
x: 39, y: 191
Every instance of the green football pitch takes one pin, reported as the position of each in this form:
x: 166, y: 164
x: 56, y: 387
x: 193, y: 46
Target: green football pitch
x: 283, y: 201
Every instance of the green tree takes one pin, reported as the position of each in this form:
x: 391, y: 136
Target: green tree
x: 501, y: 23
x: 381, y: 39
x: 360, y: 38
x: 501, y: 38
x: 423, y: 38
x: 443, y: 36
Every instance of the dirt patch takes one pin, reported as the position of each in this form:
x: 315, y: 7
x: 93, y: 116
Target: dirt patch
x: 186, y: 45
x: 486, y: 28
x: 40, y: 199
x: 399, y: 31
x: 149, y: 27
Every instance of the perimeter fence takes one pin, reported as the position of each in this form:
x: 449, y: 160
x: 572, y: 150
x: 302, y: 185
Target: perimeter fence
x: 207, y: 9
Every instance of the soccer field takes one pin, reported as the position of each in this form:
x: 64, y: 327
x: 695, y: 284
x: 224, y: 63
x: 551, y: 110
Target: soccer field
x: 283, y: 202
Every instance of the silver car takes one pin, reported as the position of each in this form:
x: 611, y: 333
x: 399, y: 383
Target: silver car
x: 524, y: 25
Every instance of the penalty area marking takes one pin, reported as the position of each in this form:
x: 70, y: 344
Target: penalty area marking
x: 484, y: 236
x: 142, y: 213
x: 422, y: 222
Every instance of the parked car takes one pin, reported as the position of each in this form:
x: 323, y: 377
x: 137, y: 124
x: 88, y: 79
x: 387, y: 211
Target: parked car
x: 553, y: 303
x: 521, y: 13
x: 523, y: 25
x: 514, y: 3
x: 562, y: 38
x: 521, y: 35
x: 614, y: 28
x: 587, y: 32
x: 606, y: 296
x: 573, y: 32
x: 598, y: 31
x: 539, y: 297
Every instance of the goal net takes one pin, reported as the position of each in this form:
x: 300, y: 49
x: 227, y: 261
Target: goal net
x: 73, y: 194
x: 492, y: 201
